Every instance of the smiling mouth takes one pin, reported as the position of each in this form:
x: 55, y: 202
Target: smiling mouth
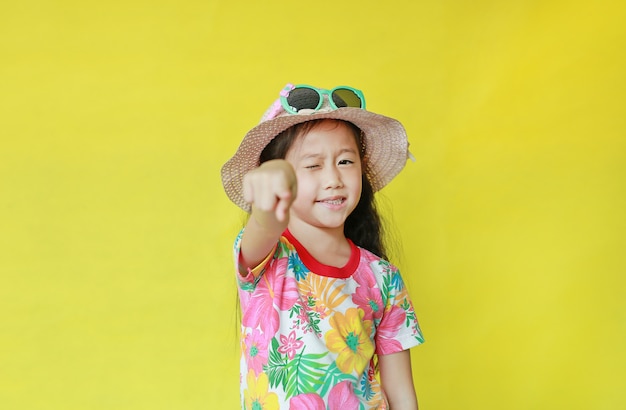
x: 334, y: 201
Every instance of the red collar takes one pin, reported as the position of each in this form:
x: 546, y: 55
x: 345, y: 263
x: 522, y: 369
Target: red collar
x: 324, y: 270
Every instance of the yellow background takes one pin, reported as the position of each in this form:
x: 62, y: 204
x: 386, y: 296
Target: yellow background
x: 116, y: 289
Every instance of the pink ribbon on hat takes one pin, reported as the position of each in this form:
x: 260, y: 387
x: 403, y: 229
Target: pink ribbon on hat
x: 277, y: 108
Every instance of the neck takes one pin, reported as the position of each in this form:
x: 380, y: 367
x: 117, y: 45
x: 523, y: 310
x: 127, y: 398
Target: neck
x: 328, y: 246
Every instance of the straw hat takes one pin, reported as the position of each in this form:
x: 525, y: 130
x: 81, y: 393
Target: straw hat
x: 386, y: 145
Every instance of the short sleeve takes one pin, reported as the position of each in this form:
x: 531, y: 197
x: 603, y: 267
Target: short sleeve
x: 398, y: 329
x: 248, y: 282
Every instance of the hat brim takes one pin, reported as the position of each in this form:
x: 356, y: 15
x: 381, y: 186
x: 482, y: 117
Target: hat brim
x: 385, y: 140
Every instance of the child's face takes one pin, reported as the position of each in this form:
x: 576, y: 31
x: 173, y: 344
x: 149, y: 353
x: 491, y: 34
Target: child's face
x: 328, y: 168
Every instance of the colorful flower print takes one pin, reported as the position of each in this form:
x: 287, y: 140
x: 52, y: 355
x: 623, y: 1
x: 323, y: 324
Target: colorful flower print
x: 296, y: 265
x: 306, y: 319
x: 289, y: 345
x: 255, y: 351
x: 365, y: 383
x: 368, y: 298
x: 309, y: 401
x: 371, y: 388
x: 272, y: 289
x: 288, y: 311
x: 349, y: 337
x: 303, y: 374
x: 328, y: 292
x: 388, y: 328
x: 341, y: 397
x: 256, y: 396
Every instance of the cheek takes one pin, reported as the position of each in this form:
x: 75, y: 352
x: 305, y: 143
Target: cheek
x: 306, y: 184
x: 357, y: 178
x: 359, y: 188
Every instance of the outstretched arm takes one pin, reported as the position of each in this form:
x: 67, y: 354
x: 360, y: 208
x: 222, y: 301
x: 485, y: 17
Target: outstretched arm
x: 396, y: 378
x: 270, y: 189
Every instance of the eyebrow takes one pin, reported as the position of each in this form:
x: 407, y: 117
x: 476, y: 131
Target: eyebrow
x: 319, y: 155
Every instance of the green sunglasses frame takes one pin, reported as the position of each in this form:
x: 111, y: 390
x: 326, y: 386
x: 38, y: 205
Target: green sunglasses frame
x: 321, y: 92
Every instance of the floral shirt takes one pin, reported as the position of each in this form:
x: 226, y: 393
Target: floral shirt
x: 310, y: 331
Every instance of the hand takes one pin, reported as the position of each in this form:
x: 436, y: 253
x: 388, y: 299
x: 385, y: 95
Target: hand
x: 271, y: 188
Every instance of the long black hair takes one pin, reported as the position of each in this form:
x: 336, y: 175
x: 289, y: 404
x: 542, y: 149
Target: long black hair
x: 364, y: 226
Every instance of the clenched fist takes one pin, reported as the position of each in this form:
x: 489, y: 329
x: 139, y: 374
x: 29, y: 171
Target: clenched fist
x: 271, y: 188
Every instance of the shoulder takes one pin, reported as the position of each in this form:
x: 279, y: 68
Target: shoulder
x: 376, y: 263
x: 285, y: 247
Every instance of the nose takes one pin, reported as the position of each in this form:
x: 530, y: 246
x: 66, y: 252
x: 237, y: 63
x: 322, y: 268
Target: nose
x: 332, y: 178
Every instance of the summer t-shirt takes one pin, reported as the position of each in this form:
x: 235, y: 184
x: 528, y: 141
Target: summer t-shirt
x: 310, y: 331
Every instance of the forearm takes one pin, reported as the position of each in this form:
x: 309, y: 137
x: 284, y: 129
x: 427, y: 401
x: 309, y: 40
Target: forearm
x: 402, y: 399
x: 259, y: 238
x: 397, y: 380
x: 407, y: 403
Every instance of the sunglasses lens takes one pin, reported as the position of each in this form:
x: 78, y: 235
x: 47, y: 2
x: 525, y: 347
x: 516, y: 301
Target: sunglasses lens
x: 303, y: 98
x: 344, y: 97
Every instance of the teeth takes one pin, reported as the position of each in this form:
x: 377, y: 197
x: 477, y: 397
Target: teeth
x: 334, y: 201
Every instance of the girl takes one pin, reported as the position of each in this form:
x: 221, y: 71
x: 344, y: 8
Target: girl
x: 319, y: 300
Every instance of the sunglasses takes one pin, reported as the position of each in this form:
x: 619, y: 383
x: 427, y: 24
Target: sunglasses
x: 305, y: 97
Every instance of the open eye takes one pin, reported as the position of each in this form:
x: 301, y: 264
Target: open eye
x: 346, y: 162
